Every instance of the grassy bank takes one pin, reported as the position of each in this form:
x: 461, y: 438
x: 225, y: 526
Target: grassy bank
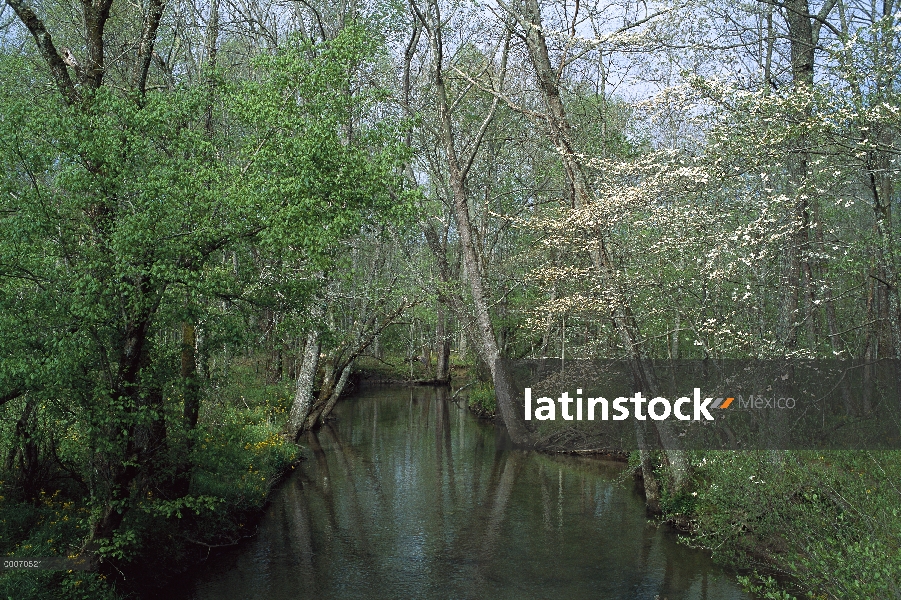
x: 808, y: 524
x: 238, y: 455
x: 482, y: 401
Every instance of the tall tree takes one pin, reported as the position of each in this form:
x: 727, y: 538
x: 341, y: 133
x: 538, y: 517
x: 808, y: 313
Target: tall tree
x: 458, y: 172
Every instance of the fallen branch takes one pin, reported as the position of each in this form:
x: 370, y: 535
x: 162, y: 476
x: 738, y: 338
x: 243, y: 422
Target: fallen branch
x: 471, y: 383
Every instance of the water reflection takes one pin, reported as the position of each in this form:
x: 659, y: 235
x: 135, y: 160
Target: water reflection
x: 407, y: 495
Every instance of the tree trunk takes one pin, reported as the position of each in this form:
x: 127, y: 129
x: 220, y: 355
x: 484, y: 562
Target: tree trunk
x: 799, y: 270
x: 336, y: 394
x: 190, y: 385
x: 796, y: 268
x: 118, y: 473
x: 484, y: 329
x: 648, y: 477
x: 486, y: 336
x: 23, y: 455
x: 329, y: 381
x: 442, y: 362
x: 623, y: 320
x: 306, y: 379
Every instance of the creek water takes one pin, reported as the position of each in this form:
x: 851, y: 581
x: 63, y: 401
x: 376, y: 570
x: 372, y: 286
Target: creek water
x: 407, y: 495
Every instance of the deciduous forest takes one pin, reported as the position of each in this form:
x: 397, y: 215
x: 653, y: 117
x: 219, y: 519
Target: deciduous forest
x: 217, y: 217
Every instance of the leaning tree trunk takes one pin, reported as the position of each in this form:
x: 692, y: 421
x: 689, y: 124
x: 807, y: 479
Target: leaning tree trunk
x: 343, y: 360
x: 303, y: 392
x: 329, y: 380
x: 484, y: 329
x: 488, y: 347
x: 336, y: 393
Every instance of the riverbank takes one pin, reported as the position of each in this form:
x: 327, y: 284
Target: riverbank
x: 239, y: 457
x: 781, y: 520
x: 818, y: 524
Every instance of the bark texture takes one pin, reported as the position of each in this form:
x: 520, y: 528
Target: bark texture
x: 303, y: 391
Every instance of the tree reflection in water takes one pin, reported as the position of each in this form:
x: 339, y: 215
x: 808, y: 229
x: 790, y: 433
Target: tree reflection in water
x: 408, y: 495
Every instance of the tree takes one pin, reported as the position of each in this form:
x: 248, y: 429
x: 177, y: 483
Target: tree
x: 113, y: 212
x: 458, y: 170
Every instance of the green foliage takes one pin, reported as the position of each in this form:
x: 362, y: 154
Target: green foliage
x: 241, y: 452
x: 124, y: 217
x: 600, y: 123
x: 764, y: 586
x: 828, y: 520
x: 676, y: 504
x: 234, y: 204
x: 240, y: 455
x: 55, y: 585
x: 51, y: 526
x: 482, y: 399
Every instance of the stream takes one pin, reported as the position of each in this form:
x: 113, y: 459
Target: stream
x: 408, y: 495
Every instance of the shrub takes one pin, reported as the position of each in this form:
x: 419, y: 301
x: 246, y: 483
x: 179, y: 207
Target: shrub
x: 482, y: 400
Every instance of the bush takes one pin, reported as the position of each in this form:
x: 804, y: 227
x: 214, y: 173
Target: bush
x: 51, y: 526
x: 482, y: 400
x: 829, y: 521
x: 238, y: 453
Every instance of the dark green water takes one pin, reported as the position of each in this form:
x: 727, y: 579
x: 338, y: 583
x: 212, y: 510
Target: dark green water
x: 407, y: 495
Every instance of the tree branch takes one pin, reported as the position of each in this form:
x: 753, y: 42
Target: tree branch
x: 819, y: 19
x: 490, y: 116
x: 148, y: 37
x: 51, y: 56
x: 11, y: 395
